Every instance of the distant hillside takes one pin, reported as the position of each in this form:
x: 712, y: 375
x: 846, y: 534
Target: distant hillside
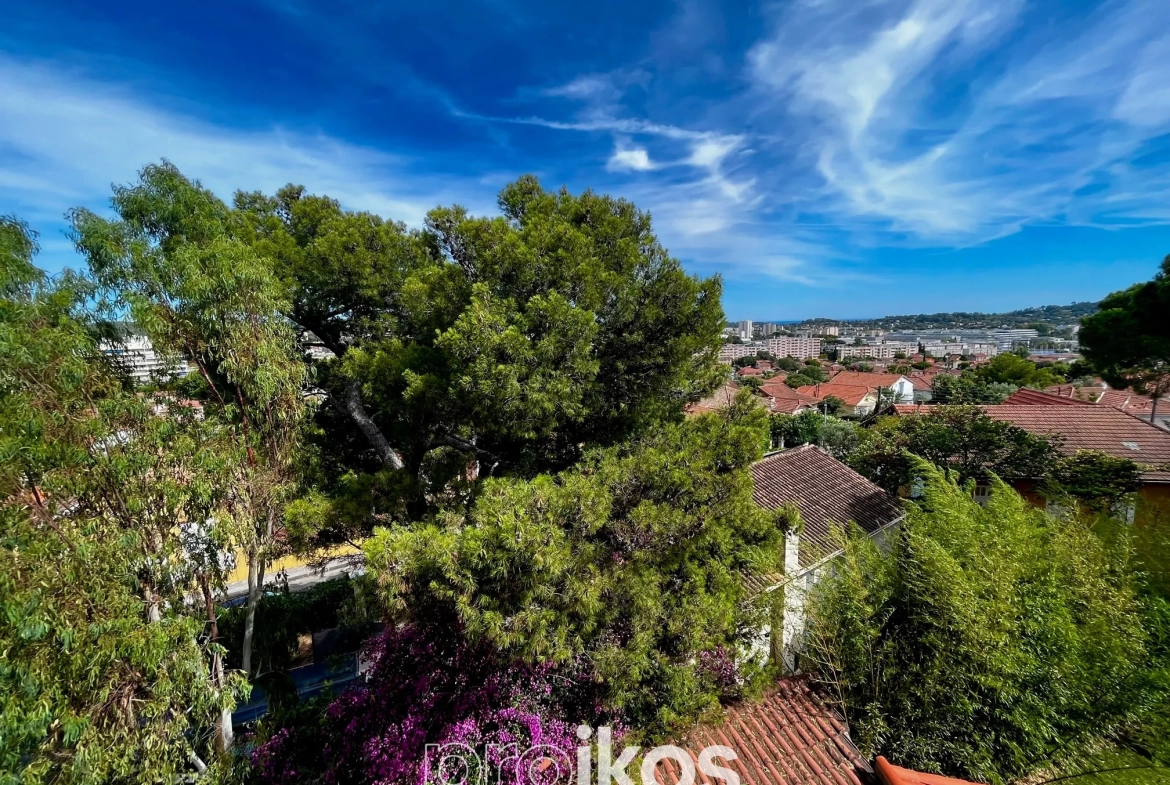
x: 1048, y: 314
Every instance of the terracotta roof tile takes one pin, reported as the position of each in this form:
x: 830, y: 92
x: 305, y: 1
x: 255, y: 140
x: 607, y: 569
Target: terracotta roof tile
x: 1086, y: 393
x: 1093, y: 428
x: 1027, y: 397
x: 850, y: 394
x: 789, y: 737
x: 826, y: 492
x: 863, y: 379
x: 779, y: 390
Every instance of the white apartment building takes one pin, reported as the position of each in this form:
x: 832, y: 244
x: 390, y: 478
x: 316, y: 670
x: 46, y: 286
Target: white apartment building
x: 878, y: 351
x: 802, y: 348
x: 1005, y: 340
x: 137, y: 356
x: 733, y: 351
x: 745, y: 330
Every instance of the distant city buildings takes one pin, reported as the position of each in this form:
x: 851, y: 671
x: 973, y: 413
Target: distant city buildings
x: 136, y: 356
x: 745, y: 330
x: 799, y: 348
x: 802, y: 348
x: 1006, y: 340
x: 886, y: 350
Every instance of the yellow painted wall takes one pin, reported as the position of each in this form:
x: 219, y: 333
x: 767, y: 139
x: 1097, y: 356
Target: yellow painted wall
x: 240, y: 573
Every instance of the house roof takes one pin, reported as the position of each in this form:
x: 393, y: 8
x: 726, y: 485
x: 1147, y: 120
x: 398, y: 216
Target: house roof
x: 779, y: 390
x: 748, y: 370
x: 1095, y: 428
x: 789, y: 737
x: 1027, y: 397
x: 1128, y: 401
x: 790, y: 405
x: 889, y: 774
x: 864, y: 379
x: 826, y: 492
x: 848, y: 393
x: 721, y: 398
x: 1085, y: 393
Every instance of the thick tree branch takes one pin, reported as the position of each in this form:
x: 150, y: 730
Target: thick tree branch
x: 447, y: 440
x: 350, y: 403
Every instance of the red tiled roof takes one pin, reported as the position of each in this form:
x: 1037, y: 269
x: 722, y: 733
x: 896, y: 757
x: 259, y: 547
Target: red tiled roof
x: 861, y: 378
x: 1027, y: 397
x: 848, y: 393
x: 781, y: 391
x: 750, y: 371
x: 907, y: 408
x: 789, y: 737
x: 826, y: 492
x: 1129, y: 401
x: 1086, y: 393
x: 790, y: 405
x: 720, y: 399
x: 889, y: 774
x: 1095, y: 428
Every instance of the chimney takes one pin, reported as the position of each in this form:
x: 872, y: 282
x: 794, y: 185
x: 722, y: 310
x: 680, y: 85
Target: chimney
x: 792, y: 631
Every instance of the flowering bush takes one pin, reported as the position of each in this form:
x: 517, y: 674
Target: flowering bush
x: 432, y: 687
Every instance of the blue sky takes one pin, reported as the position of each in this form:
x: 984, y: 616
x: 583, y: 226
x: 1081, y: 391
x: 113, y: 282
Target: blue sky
x: 827, y: 157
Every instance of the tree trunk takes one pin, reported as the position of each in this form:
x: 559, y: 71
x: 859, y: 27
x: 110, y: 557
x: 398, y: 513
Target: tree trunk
x: 351, y: 404
x: 224, y: 733
x: 255, y: 590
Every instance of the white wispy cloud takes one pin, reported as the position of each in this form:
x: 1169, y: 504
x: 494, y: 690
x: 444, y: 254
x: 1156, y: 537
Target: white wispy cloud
x: 65, y: 137
x: 872, y: 88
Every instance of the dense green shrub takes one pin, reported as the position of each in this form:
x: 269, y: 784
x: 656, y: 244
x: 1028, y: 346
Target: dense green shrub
x: 987, y: 640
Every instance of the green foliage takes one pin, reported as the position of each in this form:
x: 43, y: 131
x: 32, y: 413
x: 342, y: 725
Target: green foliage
x: 962, y: 438
x: 631, y: 559
x: 284, y: 616
x: 1012, y: 369
x: 831, y: 404
x: 1128, y: 341
x: 1096, y: 479
x: 102, y: 677
x: 798, y: 380
x: 837, y: 437
x: 987, y: 641
x: 789, y: 364
x: 172, y: 260
x: 968, y: 388
x: 511, y: 341
x: 1027, y: 317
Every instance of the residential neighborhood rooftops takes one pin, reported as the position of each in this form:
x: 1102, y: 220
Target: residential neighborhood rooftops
x: 851, y: 395
x: 865, y: 379
x: 1027, y: 397
x: 826, y: 492
x: 1095, y: 428
x: 789, y: 737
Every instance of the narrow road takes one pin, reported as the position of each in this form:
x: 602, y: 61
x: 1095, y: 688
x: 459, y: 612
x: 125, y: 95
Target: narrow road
x: 300, y: 578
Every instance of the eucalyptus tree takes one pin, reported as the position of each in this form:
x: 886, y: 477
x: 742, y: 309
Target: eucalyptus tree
x: 103, y: 676
x: 171, y: 264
